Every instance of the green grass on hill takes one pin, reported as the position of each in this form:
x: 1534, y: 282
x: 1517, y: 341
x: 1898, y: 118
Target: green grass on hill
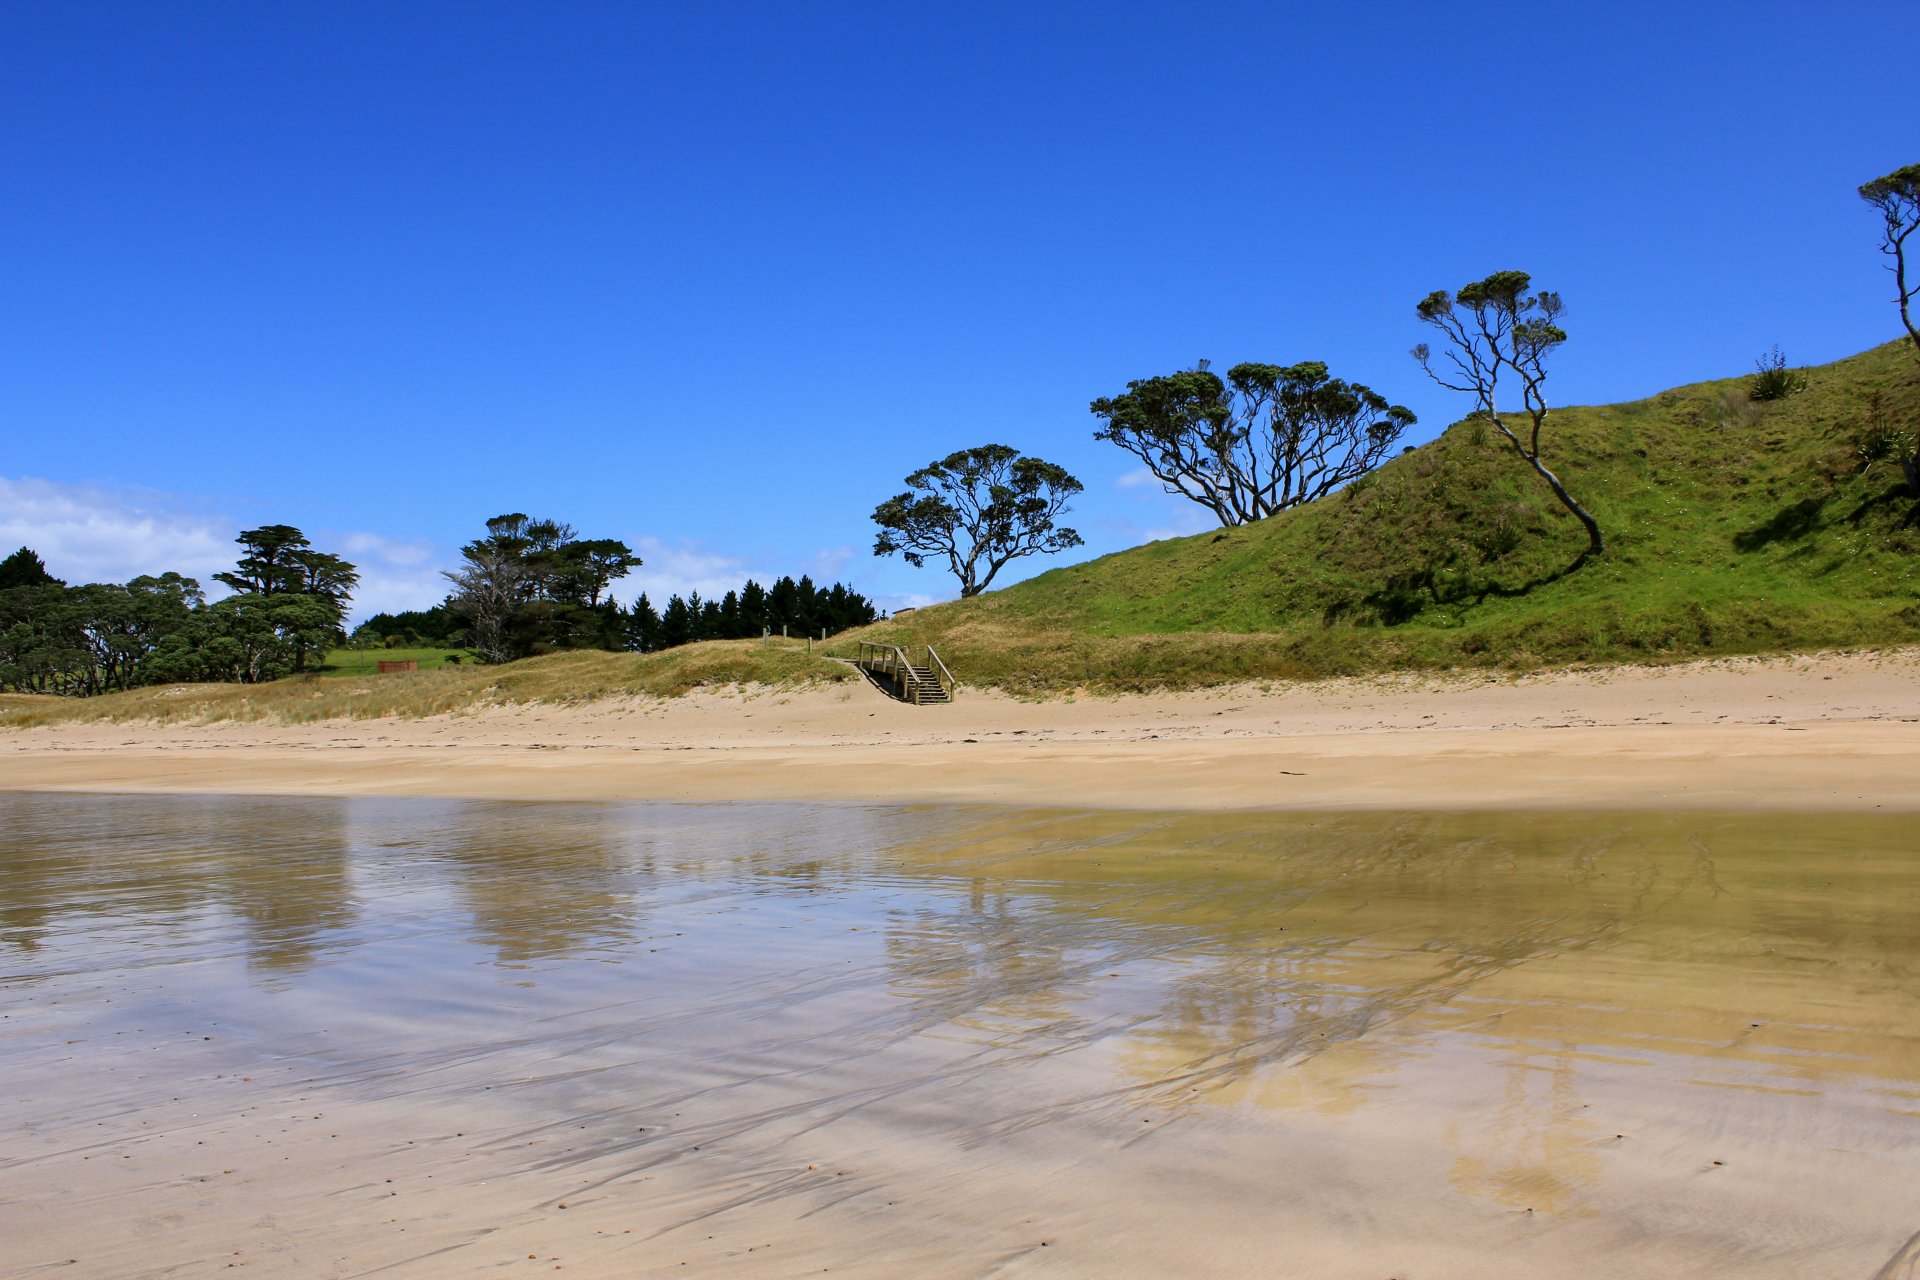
x: 1733, y: 528
x: 557, y: 678
x: 366, y: 662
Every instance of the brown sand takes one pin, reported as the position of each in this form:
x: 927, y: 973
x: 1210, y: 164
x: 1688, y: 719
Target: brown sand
x: 438, y: 1039
x: 1826, y: 732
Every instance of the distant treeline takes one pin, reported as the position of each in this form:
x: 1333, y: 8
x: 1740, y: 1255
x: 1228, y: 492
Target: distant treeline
x: 532, y: 586
x: 789, y: 607
x: 529, y: 587
x: 287, y: 604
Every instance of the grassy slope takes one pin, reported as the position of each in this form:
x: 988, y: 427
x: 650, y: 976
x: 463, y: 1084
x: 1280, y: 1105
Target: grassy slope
x: 1751, y: 536
x: 1728, y: 533
x: 561, y: 677
x: 366, y: 662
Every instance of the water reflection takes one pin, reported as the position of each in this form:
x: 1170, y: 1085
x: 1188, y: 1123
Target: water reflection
x: 628, y: 985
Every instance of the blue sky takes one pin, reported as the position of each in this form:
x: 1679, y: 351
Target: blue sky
x: 712, y: 278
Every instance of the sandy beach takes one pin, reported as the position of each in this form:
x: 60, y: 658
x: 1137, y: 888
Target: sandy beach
x: 1083, y: 1019
x: 413, y: 1037
x: 1824, y: 732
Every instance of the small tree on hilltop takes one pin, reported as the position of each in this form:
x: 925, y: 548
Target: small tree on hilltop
x: 1493, y: 325
x: 980, y: 508
x: 1897, y: 197
x: 1267, y: 438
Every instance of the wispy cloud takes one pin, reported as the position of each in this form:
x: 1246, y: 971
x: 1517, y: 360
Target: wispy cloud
x: 97, y: 534
x: 90, y: 534
x: 682, y: 566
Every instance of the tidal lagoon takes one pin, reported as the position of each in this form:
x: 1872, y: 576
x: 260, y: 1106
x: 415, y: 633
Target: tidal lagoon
x: 424, y: 1037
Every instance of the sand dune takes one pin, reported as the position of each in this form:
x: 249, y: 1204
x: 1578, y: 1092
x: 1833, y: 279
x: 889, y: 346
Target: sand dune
x: 1824, y: 732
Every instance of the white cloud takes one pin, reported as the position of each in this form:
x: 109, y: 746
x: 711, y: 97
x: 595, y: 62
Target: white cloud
x: 393, y: 589
x: 393, y: 551
x: 1183, y: 523
x: 96, y: 534
x: 895, y: 603
x: 1137, y: 478
x: 829, y: 564
x: 396, y: 574
x: 682, y: 566
x: 89, y: 534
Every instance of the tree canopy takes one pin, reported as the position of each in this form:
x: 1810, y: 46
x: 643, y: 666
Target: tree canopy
x: 1265, y: 438
x: 530, y: 586
x: 980, y: 509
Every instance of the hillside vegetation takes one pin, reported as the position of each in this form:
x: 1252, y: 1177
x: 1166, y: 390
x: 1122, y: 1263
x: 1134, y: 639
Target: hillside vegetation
x: 576, y: 676
x: 1734, y: 527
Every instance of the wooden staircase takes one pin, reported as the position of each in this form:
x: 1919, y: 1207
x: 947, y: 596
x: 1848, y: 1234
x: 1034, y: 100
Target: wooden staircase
x: 927, y: 683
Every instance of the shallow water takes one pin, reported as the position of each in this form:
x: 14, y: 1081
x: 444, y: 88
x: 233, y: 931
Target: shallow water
x: 337, y: 1036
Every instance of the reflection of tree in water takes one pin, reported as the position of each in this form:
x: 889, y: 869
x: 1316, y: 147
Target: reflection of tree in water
x: 287, y: 874
x: 281, y: 866
x: 1538, y: 1151
x: 1247, y: 946
x: 1000, y: 965
x: 542, y: 882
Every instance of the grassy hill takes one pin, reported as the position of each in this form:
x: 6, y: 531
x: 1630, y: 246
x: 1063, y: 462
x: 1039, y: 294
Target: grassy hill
x: 1733, y: 527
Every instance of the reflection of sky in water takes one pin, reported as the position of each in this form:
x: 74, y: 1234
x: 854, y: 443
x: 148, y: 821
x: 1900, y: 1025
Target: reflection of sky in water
x: 1510, y: 971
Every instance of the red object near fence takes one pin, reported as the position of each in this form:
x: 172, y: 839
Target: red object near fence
x: 406, y: 664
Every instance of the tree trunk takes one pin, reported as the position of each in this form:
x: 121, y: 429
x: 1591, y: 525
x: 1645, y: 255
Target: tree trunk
x: 1596, y: 544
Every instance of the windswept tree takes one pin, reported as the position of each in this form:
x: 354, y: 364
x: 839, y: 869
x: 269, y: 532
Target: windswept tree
x: 980, y: 509
x: 530, y: 586
x: 279, y: 560
x: 1494, y: 326
x: 1897, y: 197
x: 1265, y: 438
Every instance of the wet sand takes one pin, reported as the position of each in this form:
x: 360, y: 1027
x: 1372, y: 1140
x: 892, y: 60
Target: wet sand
x: 1830, y: 733
x: 346, y: 1037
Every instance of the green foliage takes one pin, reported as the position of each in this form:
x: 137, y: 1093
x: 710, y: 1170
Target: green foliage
x: 1266, y: 439
x: 1772, y: 380
x: 25, y: 569
x: 1881, y: 440
x: 412, y: 627
x: 531, y: 587
x: 797, y: 608
x: 980, y: 508
x: 279, y: 560
x: 1449, y: 556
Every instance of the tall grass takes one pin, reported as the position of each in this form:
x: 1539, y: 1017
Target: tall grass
x: 557, y: 678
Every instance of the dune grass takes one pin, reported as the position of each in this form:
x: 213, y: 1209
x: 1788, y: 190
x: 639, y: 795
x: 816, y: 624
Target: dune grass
x: 1735, y: 527
x: 556, y: 678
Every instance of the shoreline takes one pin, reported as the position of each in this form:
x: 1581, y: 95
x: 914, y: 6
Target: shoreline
x: 1836, y: 732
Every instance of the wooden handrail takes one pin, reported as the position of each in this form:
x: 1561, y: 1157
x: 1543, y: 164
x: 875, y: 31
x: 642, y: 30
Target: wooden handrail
x: 947, y: 681
x: 894, y: 662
